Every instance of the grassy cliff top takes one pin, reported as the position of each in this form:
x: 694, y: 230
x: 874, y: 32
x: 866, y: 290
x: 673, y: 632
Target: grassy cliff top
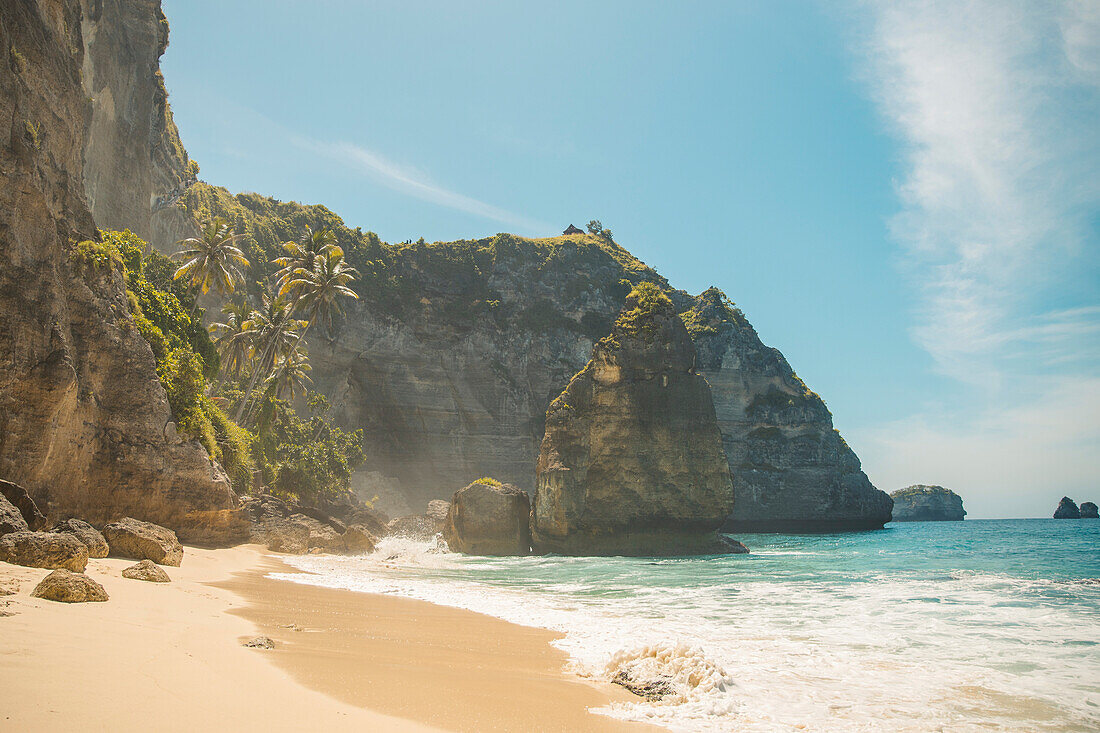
x: 921, y: 490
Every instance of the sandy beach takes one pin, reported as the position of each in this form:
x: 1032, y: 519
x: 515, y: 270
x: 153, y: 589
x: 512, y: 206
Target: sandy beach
x: 170, y: 657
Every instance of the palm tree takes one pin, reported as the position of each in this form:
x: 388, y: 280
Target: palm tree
x: 212, y: 260
x: 234, y: 337
x: 276, y: 332
x: 318, y: 290
x: 291, y: 374
x: 304, y: 253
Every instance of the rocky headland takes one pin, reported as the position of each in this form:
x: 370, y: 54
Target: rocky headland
x: 923, y: 503
x: 632, y: 460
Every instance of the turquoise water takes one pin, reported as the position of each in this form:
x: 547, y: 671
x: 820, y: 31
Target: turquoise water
x: 953, y: 626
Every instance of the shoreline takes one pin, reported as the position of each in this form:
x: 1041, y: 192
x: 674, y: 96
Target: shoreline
x: 170, y: 657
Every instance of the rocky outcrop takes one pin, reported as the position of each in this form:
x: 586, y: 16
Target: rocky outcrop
x: 792, y: 471
x: 921, y: 503
x: 1067, y: 509
x: 86, y: 533
x: 11, y: 520
x: 69, y: 587
x: 83, y: 418
x: 21, y: 499
x: 146, y: 570
x: 44, y: 550
x: 489, y: 518
x: 139, y: 540
x: 131, y: 135
x: 632, y: 459
x: 1088, y: 510
x: 288, y: 527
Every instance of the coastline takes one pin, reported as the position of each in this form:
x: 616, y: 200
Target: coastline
x: 170, y: 657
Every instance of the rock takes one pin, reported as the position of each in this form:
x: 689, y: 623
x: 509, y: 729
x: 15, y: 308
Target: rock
x: 791, y: 470
x: 1088, y: 510
x: 259, y: 642
x: 414, y: 527
x: 437, y: 510
x: 632, y: 459
x: 139, y: 540
x: 86, y: 533
x: 44, y: 550
x: 732, y: 546
x: 1067, y: 509
x: 359, y: 540
x: 146, y: 570
x: 9, y: 587
x: 488, y: 518
x: 69, y: 587
x: 10, y: 518
x: 369, y: 519
x: 21, y: 499
x: 922, y: 503
x: 652, y: 690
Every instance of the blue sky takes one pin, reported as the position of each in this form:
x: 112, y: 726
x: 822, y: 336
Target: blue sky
x: 903, y: 197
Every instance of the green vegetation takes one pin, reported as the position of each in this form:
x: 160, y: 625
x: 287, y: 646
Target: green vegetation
x: 645, y: 304
x: 304, y: 457
x: 712, y: 310
x: 487, y: 481
x: 212, y: 259
x: 18, y: 61
x: 32, y: 130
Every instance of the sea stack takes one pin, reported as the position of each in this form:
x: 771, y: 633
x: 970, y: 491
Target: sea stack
x: 1088, y: 510
x: 1067, y: 509
x: 632, y: 462
x: 922, y: 503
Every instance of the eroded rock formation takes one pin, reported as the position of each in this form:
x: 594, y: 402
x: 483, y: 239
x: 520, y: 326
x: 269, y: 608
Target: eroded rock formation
x: 632, y: 459
x: 83, y: 417
x: 792, y: 471
x: 66, y: 586
x: 1089, y: 511
x: 1067, y: 509
x: 489, y: 518
x: 132, y: 538
x: 921, y: 503
x: 44, y: 550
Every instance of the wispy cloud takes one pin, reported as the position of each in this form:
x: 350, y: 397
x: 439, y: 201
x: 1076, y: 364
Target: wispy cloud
x: 408, y: 180
x: 996, y: 104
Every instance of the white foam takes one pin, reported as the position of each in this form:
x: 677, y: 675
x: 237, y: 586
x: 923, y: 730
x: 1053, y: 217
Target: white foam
x: 967, y: 651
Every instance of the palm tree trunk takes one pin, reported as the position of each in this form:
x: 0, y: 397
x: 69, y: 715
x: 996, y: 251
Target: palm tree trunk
x: 252, y: 381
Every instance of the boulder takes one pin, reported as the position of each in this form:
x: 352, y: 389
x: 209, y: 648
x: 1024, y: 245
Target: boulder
x: 1088, y: 510
x: 21, y: 500
x: 369, y: 519
x: 632, y: 460
x: 489, y: 518
x: 139, y: 540
x: 44, y: 550
x: 69, y: 587
x: 86, y: 533
x: 359, y: 540
x: 11, y: 520
x: 1067, y: 509
x: 437, y: 511
x: 146, y: 570
x: 298, y: 534
x: 923, y: 503
x: 414, y: 527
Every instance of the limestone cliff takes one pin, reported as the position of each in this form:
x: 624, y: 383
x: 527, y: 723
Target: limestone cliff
x: 920, y: 503
x: 135, y: 167
x: 84, y: 422
x: 632, y: 459
x: 792, y: 471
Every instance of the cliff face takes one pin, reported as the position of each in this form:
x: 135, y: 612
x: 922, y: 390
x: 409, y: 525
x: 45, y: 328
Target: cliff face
x: 792, y: 471
x: 84, y: 422
x: 632, y: 459
x: 921, y: 503
x: 135, y: 167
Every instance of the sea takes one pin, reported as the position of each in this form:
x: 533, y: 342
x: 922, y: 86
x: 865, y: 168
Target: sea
x: 980, y: 625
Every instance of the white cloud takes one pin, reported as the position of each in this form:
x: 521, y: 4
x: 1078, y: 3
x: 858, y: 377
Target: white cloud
x: 413, y: 182
x: 997, y: 106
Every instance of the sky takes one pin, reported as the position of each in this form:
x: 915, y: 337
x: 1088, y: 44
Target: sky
x: 903, y: 197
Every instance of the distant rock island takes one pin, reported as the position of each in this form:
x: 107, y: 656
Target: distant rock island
x: 921, y: 503
x: 1067, y: 509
